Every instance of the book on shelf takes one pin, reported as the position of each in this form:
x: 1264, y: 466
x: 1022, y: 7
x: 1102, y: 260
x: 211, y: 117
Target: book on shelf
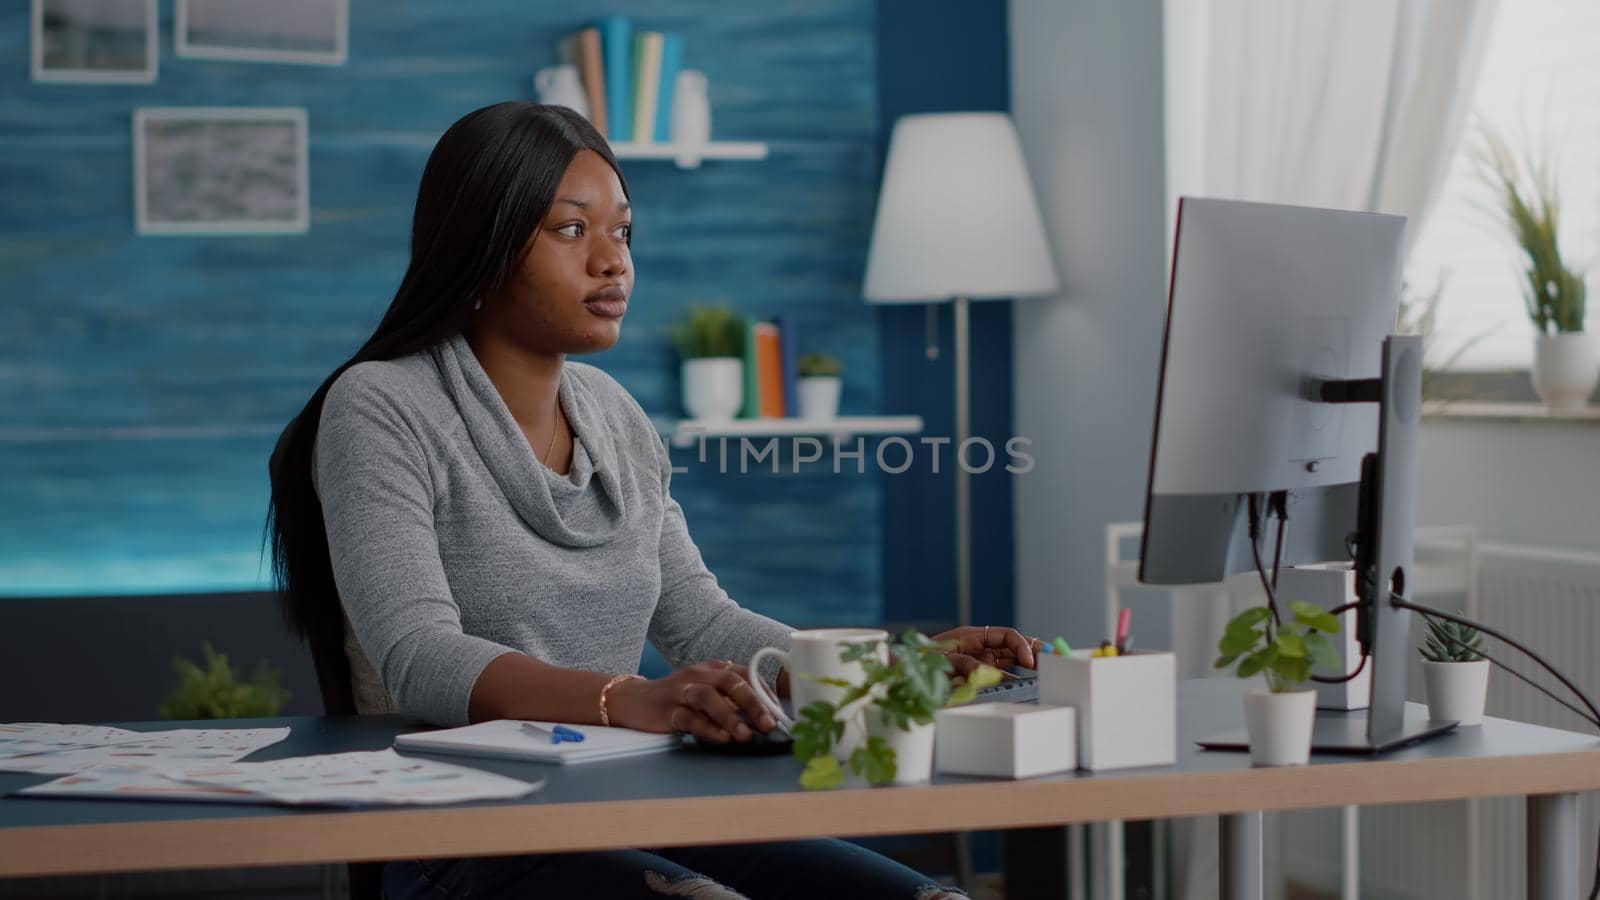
x: 788, y: 363
x: 769, y: 370
x: 616, y: 50
x: 751, y: 407
x: 592, y: 69
x: 646, y: 85
x: 671, y: 61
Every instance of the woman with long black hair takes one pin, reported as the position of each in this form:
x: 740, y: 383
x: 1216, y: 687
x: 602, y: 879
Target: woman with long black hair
x: 487, y: 525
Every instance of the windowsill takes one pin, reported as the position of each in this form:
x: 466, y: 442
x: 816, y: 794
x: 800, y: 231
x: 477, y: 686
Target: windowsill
x: 1476, y: 410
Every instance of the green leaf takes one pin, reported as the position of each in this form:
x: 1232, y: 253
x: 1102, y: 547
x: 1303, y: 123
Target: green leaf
x: 874, y: 761
x: 821, y: 773
x: 1257, y: 661
x: 1289, y: 645
x: 1237, y: 642
x: 834, y: 682
x: 1308, y: 610
x: 1322, y: 653
x: 1249, y: 619
x: 815, y: 731
x: 1225, y: 661
x: 1292, y: 669
x: 982, y: 677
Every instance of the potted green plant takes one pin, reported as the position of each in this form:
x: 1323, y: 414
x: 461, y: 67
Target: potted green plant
x: 894, y: 705
x: 1279, y: 718
x: 1566, y: 362
x: 710, y: 343
x: 819, y: 386
x: 1455, y: 671
x: 214, y: 692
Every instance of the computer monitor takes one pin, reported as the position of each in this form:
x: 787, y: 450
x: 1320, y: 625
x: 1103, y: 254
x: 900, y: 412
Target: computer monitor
x: 1280, y: 385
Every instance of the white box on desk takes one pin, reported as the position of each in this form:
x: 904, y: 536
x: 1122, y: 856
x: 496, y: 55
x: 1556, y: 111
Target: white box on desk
x: 1127, y: 706
x: 1005, y: 740
x: 1330, y: 585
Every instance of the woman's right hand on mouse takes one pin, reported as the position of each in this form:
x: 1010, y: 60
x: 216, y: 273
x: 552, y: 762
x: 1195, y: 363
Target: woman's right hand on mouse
x: 704, y: 699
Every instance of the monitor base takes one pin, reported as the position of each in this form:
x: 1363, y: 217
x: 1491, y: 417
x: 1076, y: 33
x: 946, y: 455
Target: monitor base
x: 1346, y: 732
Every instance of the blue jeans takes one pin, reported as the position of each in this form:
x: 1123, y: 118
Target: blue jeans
x: 778, y: 871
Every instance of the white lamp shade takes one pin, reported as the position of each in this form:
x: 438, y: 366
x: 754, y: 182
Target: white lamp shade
x: 957, y: 214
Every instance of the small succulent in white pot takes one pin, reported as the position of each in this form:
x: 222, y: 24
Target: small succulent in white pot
x: 710, y: 343
x: 1455, y: 671
x: 819, y: 386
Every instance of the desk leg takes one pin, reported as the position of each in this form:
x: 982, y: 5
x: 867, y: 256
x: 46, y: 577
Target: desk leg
x: 1553, y: 847
x: 1240, y: 846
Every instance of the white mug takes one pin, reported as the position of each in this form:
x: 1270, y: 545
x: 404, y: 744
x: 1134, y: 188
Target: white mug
x: 562, y: 86
x: 814, y: 653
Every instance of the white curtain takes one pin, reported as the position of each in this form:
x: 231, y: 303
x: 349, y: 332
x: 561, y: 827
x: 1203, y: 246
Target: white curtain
x: 1350, y: 104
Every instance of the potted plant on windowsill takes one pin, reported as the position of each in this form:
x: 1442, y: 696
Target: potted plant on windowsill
x: 1455, y: 671
x: 1566, y: 362
x: 1279, y: 719
x: 819, y: 386
x: 894, y: 705
x: 710, y: 341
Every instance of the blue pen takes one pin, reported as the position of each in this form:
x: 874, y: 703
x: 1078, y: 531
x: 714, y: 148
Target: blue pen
x: 559, y: 735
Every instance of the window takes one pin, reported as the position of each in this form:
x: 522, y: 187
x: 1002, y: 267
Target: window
x: 1540, y: 88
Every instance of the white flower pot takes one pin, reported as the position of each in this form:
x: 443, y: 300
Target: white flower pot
x: 819, y: 396
x: 713, y: 388
x: 1565, y: 368
x: 913, y: 750
x: 1280, y: 726
x: 1457, y: 690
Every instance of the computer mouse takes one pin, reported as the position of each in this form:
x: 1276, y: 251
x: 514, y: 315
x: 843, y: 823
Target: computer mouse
x: 771, y: 743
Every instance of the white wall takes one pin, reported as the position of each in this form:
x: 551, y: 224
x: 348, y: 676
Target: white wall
x: 1520, y: 482
x: 1087, y: 97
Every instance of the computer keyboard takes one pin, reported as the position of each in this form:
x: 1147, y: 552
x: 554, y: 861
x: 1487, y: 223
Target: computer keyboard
x: 1012, y: 690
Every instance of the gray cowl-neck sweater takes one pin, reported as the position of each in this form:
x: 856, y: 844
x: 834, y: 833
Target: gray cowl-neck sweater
x: 452, y: 544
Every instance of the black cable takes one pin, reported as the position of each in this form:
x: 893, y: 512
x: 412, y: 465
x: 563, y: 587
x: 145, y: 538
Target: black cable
x: 1439, y: 613
x: 1328, y: 679
x: 1280, y: 504
x: 1261, y: 569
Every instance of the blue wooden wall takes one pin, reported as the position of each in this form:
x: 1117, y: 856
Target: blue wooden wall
x: 143, y: 379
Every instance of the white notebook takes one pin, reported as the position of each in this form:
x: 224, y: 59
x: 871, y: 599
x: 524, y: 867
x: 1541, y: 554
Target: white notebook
x: 506, y: 739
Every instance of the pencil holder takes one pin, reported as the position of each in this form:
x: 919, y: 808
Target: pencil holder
x: 1127, y: 706
x: 1005, y: 740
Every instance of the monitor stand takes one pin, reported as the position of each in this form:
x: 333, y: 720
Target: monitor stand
x: 1385, y: 521
x: 1346, y: 732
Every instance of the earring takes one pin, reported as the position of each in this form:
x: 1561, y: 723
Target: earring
x: 479, y: 304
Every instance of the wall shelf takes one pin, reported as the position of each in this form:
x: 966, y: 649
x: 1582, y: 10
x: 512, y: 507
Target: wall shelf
x: 684, y: 432
x: 689, y: 156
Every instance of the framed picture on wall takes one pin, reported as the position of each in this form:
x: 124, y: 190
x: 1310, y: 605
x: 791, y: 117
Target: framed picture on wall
x: 220, y: 170
x: 95, y: 41
x: 312, y: 32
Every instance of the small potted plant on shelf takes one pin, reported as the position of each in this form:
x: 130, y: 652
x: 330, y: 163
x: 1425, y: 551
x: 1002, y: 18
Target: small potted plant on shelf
x: 819, y: 386
x: 1279, y: 719
x: 709, y: 342
x: 894, y: 706
x: 1566, y: 362
x: 1455, y: 671
x: 215, y: 693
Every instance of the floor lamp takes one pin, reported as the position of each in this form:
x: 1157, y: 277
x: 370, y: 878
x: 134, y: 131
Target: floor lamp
x: 957, y: 220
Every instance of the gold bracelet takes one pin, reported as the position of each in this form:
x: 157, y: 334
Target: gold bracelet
x: 605, y: 717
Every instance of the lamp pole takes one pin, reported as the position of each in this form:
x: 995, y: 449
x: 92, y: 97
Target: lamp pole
x: 963, y: 485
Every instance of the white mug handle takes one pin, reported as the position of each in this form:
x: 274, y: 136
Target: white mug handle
x: 763, y: 696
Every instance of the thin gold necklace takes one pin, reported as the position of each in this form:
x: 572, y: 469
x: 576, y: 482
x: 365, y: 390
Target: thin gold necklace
x: 553, y: 432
